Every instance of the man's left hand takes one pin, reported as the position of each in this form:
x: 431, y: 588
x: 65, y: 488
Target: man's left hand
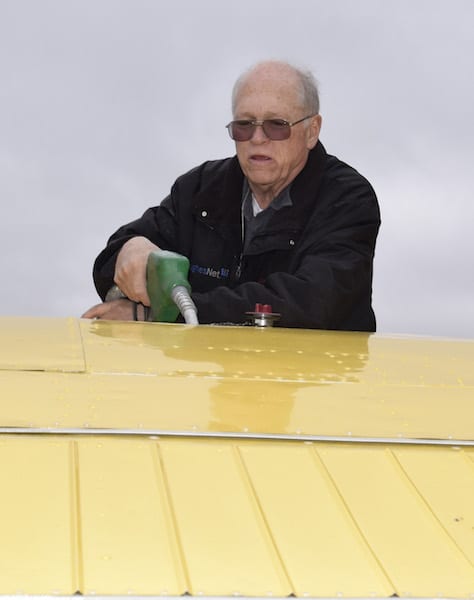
x: 116, y: 310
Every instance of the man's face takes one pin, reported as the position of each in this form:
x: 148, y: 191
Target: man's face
x: 270, y: 165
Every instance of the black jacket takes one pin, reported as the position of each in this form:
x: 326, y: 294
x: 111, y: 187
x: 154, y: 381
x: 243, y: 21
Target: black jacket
x: 313, y: 263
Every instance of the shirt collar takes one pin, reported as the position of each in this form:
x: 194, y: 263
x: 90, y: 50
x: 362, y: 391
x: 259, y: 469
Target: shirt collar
x: 283, y: 199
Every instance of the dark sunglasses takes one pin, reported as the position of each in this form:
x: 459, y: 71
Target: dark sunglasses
x: 242, y: 130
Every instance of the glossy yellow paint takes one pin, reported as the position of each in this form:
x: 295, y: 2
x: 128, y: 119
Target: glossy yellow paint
x: 234, y: 379
x: 117, y: 515
x: 398, y: 522
x: 223, y: 534
x: 128, y: 543
x: 41, y: 344
x: 319, y: 542
x: 162, y: 515
x: 39, y: 549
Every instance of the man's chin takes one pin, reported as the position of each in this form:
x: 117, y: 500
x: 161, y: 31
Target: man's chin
x: 261, y: 175
x: 261, y: 182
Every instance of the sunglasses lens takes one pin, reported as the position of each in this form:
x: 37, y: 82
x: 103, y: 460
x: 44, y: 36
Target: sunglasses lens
x: 276, y: 129
x: 241, y: 131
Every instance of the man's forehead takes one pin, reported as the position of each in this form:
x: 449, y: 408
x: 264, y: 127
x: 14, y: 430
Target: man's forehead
x: 270, y: 97
x: 271, y: 75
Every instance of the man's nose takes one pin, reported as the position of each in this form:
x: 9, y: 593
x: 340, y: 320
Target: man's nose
x: 259, y: 135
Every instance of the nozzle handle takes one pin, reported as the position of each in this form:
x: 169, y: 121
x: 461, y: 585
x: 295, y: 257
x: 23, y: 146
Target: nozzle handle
x: 165, y: 270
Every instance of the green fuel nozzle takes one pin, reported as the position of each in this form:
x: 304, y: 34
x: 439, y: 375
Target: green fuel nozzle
x: 168, y: 287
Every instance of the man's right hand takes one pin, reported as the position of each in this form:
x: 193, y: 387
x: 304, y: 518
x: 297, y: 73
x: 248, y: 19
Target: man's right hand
x: 130, y: 268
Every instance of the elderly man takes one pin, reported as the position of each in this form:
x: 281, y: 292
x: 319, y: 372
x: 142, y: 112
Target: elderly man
x: 282, y: 223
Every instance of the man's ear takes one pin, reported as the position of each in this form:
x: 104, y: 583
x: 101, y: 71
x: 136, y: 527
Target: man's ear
x: 313, y: 131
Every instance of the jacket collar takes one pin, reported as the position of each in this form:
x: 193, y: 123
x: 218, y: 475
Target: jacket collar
x: 220, y: 198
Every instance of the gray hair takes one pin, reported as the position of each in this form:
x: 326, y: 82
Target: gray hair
x: 309, y: 93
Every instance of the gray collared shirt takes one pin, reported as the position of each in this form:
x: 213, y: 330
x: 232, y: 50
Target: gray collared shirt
x: 253, y: 224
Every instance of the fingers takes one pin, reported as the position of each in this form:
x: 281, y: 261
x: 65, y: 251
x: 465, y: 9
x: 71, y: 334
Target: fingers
x: 130, y: 268
x: 134, y: 287
x: 95, y: 312
x: 117, y: 310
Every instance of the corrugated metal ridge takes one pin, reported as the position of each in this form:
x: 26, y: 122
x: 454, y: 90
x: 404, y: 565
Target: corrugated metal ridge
x: 137, y: 517
x: 131, y: 597
x: 235, y: 435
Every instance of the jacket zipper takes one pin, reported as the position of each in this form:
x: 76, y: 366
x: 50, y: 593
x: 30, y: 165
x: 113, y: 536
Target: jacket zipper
x: 238, y: 271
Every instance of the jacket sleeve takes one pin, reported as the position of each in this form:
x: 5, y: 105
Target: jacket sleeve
x: 329, y: 284
x: 159, y: 224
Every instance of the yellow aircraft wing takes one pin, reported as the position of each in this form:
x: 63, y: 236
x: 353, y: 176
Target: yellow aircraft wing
x: 157, y: 459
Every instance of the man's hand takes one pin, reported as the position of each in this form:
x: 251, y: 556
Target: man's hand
x: 117, y: 310
x: 130, y: 268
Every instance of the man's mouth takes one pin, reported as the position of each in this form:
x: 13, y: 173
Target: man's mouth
x: 260, y: 157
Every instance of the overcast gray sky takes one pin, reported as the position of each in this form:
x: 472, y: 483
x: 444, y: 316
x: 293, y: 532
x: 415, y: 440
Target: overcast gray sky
x: 103, y: 103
